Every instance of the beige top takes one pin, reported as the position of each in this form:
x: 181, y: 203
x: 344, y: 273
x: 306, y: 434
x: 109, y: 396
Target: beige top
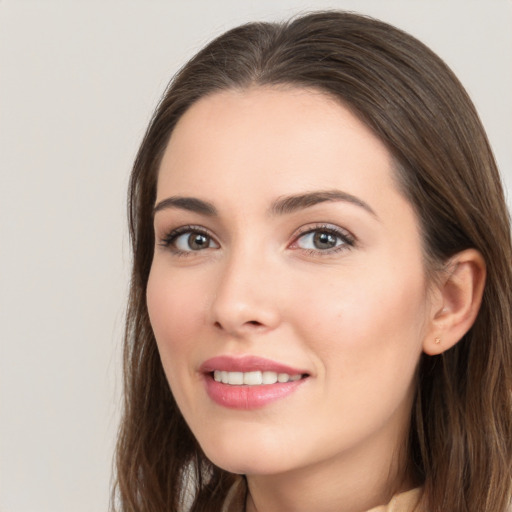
x: 404, y: 502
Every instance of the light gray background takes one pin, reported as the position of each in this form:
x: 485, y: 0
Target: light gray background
x: 78, y: 82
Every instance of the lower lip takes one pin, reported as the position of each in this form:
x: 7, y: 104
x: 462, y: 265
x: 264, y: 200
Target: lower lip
x: 249, y: 397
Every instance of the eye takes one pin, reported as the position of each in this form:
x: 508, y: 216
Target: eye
x: 188, y: 239
x: 192, y: 242
x: 324, y: 239
x: 320, y: 240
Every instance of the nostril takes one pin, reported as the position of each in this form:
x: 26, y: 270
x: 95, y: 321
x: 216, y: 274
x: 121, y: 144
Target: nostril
x: 250, y: 324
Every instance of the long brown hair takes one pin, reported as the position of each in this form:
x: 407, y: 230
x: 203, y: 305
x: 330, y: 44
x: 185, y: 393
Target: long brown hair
x: 459, y: 445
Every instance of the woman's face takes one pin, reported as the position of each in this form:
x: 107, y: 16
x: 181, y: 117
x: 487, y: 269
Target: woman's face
x: 284, y: 251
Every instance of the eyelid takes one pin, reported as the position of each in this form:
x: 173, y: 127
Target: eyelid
x: 171, y: 235
x: 349, y: 240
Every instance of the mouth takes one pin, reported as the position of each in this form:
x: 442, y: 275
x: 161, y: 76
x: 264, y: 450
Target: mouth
x: 249, y: 382
x: 254, y: 378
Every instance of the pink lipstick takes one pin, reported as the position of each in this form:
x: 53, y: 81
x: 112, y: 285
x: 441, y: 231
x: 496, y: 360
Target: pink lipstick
x: 249, y: 382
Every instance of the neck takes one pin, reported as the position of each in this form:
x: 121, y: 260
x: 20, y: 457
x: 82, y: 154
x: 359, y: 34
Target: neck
x: 355, y: 482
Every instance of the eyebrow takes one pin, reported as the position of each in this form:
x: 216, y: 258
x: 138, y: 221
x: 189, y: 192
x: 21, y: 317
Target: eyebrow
x: 282, y: 206
x: 290, y: 204
x: 191, y: 204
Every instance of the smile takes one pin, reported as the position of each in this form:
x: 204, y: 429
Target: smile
x: 249, y: 382
x: 254, y: 378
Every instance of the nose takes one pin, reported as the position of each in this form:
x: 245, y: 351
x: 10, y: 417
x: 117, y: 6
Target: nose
x: 246, y: 299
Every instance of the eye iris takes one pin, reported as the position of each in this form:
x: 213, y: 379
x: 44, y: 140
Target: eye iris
x: 324, y: 240
x: 198, y: 241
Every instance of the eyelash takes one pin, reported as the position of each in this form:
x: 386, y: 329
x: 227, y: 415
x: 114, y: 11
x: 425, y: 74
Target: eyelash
x: 168, y: 240
x: 347, y: 239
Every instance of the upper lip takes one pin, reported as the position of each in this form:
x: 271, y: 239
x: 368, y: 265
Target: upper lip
x: 247, y: 364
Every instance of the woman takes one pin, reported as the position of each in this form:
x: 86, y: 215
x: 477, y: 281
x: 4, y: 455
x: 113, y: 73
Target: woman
x: 319, y: 315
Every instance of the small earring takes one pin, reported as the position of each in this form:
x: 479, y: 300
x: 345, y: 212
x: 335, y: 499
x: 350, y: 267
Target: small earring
x: 437, y: 341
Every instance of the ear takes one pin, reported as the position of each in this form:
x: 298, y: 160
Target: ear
x: 456, y: 301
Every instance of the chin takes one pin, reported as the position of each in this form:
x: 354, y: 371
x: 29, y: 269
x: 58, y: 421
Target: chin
x: 247, y: 459
x: 243, y: 466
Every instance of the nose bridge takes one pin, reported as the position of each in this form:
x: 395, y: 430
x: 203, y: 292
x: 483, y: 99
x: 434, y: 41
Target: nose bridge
x: 244, y: 299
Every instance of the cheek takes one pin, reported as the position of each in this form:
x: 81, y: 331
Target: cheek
x: 369, y: 345
x: 176, y: 312
x: 384, y: 313
x: 367, y: 330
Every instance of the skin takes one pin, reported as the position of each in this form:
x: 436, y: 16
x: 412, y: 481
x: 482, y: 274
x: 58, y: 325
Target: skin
x: 356, y: 318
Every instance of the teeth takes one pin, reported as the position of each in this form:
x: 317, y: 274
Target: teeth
x: 253, y: 378
x: 269, y: 377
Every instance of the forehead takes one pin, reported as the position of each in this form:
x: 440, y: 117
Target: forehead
x: 268, y: 140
